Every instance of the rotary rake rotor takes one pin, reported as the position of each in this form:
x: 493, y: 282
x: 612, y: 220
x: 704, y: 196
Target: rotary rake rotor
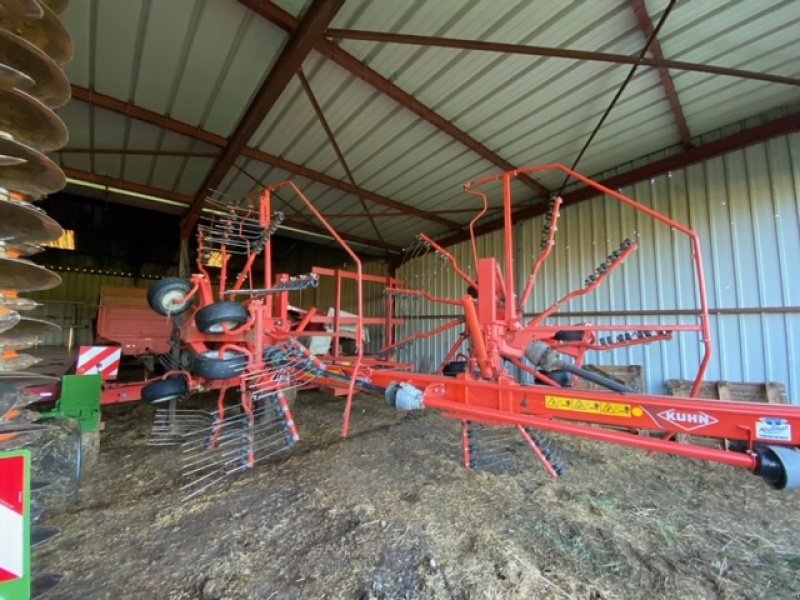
x: 516, y: 370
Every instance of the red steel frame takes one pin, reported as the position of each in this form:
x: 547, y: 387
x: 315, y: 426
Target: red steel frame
x: 487, y: 393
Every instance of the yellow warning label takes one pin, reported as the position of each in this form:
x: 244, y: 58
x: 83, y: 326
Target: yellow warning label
x: 595, y: 407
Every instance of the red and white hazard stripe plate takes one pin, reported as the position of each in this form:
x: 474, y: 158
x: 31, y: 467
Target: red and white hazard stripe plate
x: 12, y: 519
x: 99, y: 359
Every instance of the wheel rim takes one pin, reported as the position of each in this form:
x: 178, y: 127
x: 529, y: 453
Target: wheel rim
x: 219, y: 327
x: 164, y: 399
x: 172, y: 301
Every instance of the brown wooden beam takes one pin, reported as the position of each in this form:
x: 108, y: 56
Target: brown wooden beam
x: 646, y: 25
x: 683, y: 159
x: 148, y: 116
x: 627, y: 59
x: 287, y: 22
x: 301, y: 41
x: 186, y: 200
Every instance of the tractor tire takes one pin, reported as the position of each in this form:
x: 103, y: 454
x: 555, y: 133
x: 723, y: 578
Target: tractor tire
x: 57, y: 458
x: 168, y: 296
x: 210, y: 366
x: 213, y: 317
x: 165, y: 390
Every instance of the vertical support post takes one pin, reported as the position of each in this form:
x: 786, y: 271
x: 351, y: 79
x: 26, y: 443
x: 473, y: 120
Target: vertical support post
x: 265, y: 208
x: 511, y: 297
x: 466, y: 435
x: 184, y: 270
x: 337, y: 313
x: 388, y: 338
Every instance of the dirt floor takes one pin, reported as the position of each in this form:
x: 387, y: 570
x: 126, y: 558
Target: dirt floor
x: 391, y: 513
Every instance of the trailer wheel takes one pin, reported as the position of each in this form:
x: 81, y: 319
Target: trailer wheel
x: 209, y: 365
x: 214, y: 317
x: 165, y: 390
x: 168, y: 296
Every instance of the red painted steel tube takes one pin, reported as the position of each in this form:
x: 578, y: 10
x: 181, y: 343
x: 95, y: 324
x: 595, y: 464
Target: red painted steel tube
x: 367, y: 278
x: 511, y: 298
x: 477, y: 218
x: 476, y: 335
x: 451, y: 259
x: 695, y: 241
x: 536, y: 374
x: 423, y: 294
x: 422, y: 336
x: 734, y: 459
x: 542, y: 255
x: 538, y: 452
x: 337, y: 314
x: 706, y: 418
x: 301, y: 326
x: 466, y: 443
x: 360, y: 293
x: 583, y: 291
x: 453, y: 350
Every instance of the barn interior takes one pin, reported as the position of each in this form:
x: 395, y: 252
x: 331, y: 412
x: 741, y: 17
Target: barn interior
x: 358, y: 299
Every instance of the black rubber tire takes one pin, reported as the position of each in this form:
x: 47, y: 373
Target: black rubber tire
x: 561, y: 377
x: 209, y: 366
x: 211, y: 318
x: 158, y: 392
x: 162, y: 296
x: 568, y: 336
x: 348, y: 347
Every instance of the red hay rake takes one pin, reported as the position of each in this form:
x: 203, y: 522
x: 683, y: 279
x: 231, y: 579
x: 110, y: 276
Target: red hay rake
x: 482, y: 389
x: 249, y: 337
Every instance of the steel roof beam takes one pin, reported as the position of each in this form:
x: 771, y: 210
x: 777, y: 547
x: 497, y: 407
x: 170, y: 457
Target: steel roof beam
x: 736, y: 141
x: 287, y: 22
x: 186, y: 200
x: 332, y: 139
x: 301, y: 41
x: 646, y: 25
x: 627, y: 59
x: 170, y: 124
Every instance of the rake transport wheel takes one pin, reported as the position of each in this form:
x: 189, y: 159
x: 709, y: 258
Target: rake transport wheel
x: 215, y: 317
x: 168, y: 296
x: 172, y: 388
x: 209, y: 365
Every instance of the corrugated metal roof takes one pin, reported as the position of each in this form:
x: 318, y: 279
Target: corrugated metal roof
x: 93, y: 128
x: 201, y: 61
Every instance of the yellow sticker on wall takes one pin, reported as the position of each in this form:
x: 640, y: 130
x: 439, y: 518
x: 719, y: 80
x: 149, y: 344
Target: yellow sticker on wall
x: 582, y: 405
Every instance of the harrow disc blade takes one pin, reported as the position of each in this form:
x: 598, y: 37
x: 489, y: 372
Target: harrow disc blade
x: 12, y: 78
x: 44, y: 583
x: 8, y: 318
x: 48, y: 82
x: 57, y: 6
x: 36, y: 177
x: 42, y: 534
x: 25, y: 276
x: 31, y: 121
x: 46, y: 33
x: 21, y: 9
x: 24, y: 223
x: 28, y: 328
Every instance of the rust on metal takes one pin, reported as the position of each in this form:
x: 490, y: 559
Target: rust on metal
x: 287, y: 22
x: 646, y: 25
x: 300, y: 43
